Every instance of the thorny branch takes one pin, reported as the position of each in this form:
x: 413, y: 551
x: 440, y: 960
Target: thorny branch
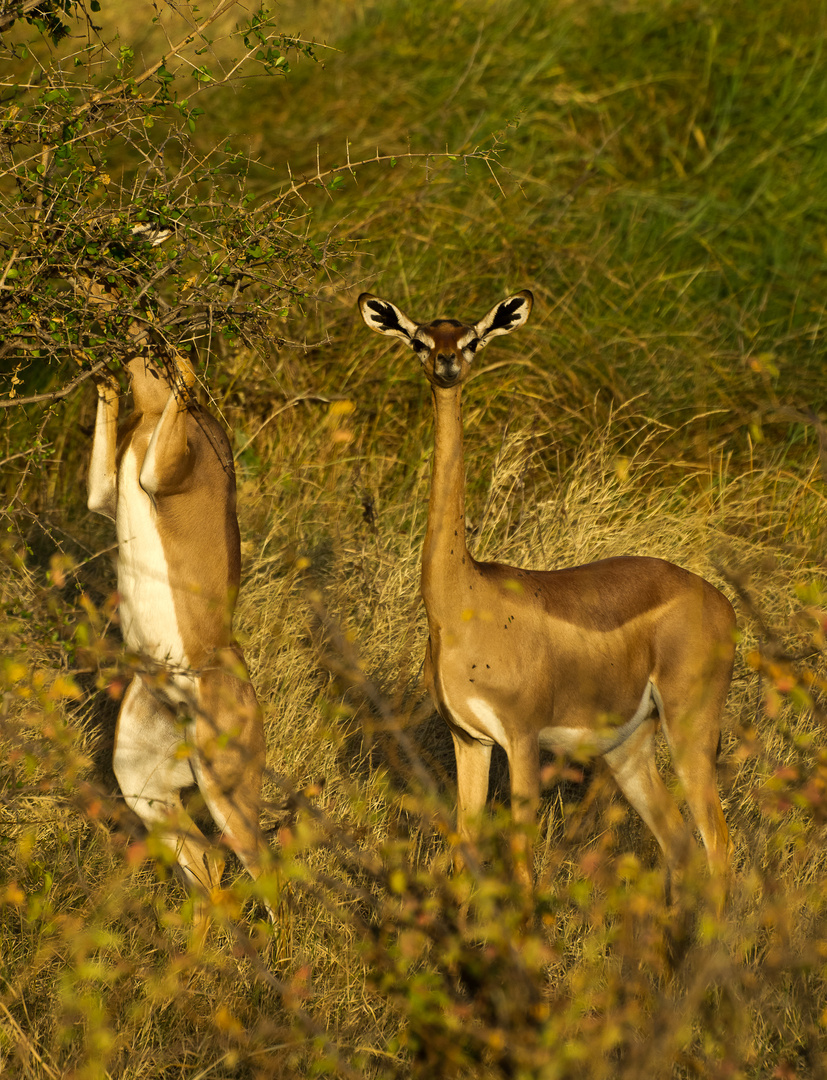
x: 56, y: 395
x: 350, y: 166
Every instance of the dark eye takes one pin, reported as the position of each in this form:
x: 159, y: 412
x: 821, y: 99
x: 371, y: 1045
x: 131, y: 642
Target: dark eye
x: 473, y: 345
x: 419, y: 346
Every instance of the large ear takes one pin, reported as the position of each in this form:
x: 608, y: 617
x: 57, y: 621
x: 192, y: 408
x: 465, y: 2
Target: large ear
x: 386, y: 318
x: 504, y: 317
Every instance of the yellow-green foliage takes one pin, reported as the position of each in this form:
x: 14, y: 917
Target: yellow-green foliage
x: 660, y: 189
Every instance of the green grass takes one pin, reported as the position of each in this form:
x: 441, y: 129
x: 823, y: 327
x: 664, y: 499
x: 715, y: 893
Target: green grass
x: 660, y: 189
x: 653, y: 280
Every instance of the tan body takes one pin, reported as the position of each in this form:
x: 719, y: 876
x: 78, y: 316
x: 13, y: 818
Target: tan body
x: 579, y: 659
x: 166, y: 477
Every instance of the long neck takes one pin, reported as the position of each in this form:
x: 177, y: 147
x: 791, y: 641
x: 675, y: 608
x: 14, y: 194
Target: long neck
x: 445, y: 556
x: 151, y: 385
x: 150, y: 389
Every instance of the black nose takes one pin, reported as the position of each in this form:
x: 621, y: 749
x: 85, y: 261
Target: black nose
x: 446, y: 367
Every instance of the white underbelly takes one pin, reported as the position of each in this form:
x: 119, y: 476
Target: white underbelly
x: 600, y: 738
x: 476, y: 717
x: 149, y: 622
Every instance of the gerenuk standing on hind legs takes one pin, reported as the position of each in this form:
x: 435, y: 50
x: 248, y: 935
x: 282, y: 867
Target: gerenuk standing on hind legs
x: 564, y: 659
x: 166, y: 478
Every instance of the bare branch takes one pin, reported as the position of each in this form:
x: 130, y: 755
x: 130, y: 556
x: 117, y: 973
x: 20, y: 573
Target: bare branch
x: 349, y: 166
x: 56, y: 395
x: 187, y: 40
x: 17, y: 11
x: 316, y: 398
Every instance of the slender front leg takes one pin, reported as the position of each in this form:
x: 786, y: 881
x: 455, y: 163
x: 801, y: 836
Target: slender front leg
x: 524, y: 767
x: 167, y: 459
x: 102, y: 482
x: 473, y: 765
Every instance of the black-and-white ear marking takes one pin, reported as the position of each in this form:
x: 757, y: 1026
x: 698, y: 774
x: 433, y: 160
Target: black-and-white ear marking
x: 386, y: 318
x: 504, y: 317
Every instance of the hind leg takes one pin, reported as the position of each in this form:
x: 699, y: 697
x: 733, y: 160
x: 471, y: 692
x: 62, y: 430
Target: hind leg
x: 635, y: 770
x: 229, y: 766
x: 151, y: 775
x: 695, y: 761
x: 692, y: 686
x: 693, y: 736
x: 691, y: 720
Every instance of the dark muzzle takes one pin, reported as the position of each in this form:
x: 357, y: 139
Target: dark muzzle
x: 446, y: 368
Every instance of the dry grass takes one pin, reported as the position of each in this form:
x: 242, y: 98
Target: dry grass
x: 96, y: 964
x: 656, y: 403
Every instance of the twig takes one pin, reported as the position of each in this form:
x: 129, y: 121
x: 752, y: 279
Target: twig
x: 278, y: 412
x: 8, y: 267
x: 13, y: 457
x: 56, y: 395
x: 114, y: 96
x: 349, y: 166
x: 8, y: 18
x: 45, y: 154
x: 96, y: 555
